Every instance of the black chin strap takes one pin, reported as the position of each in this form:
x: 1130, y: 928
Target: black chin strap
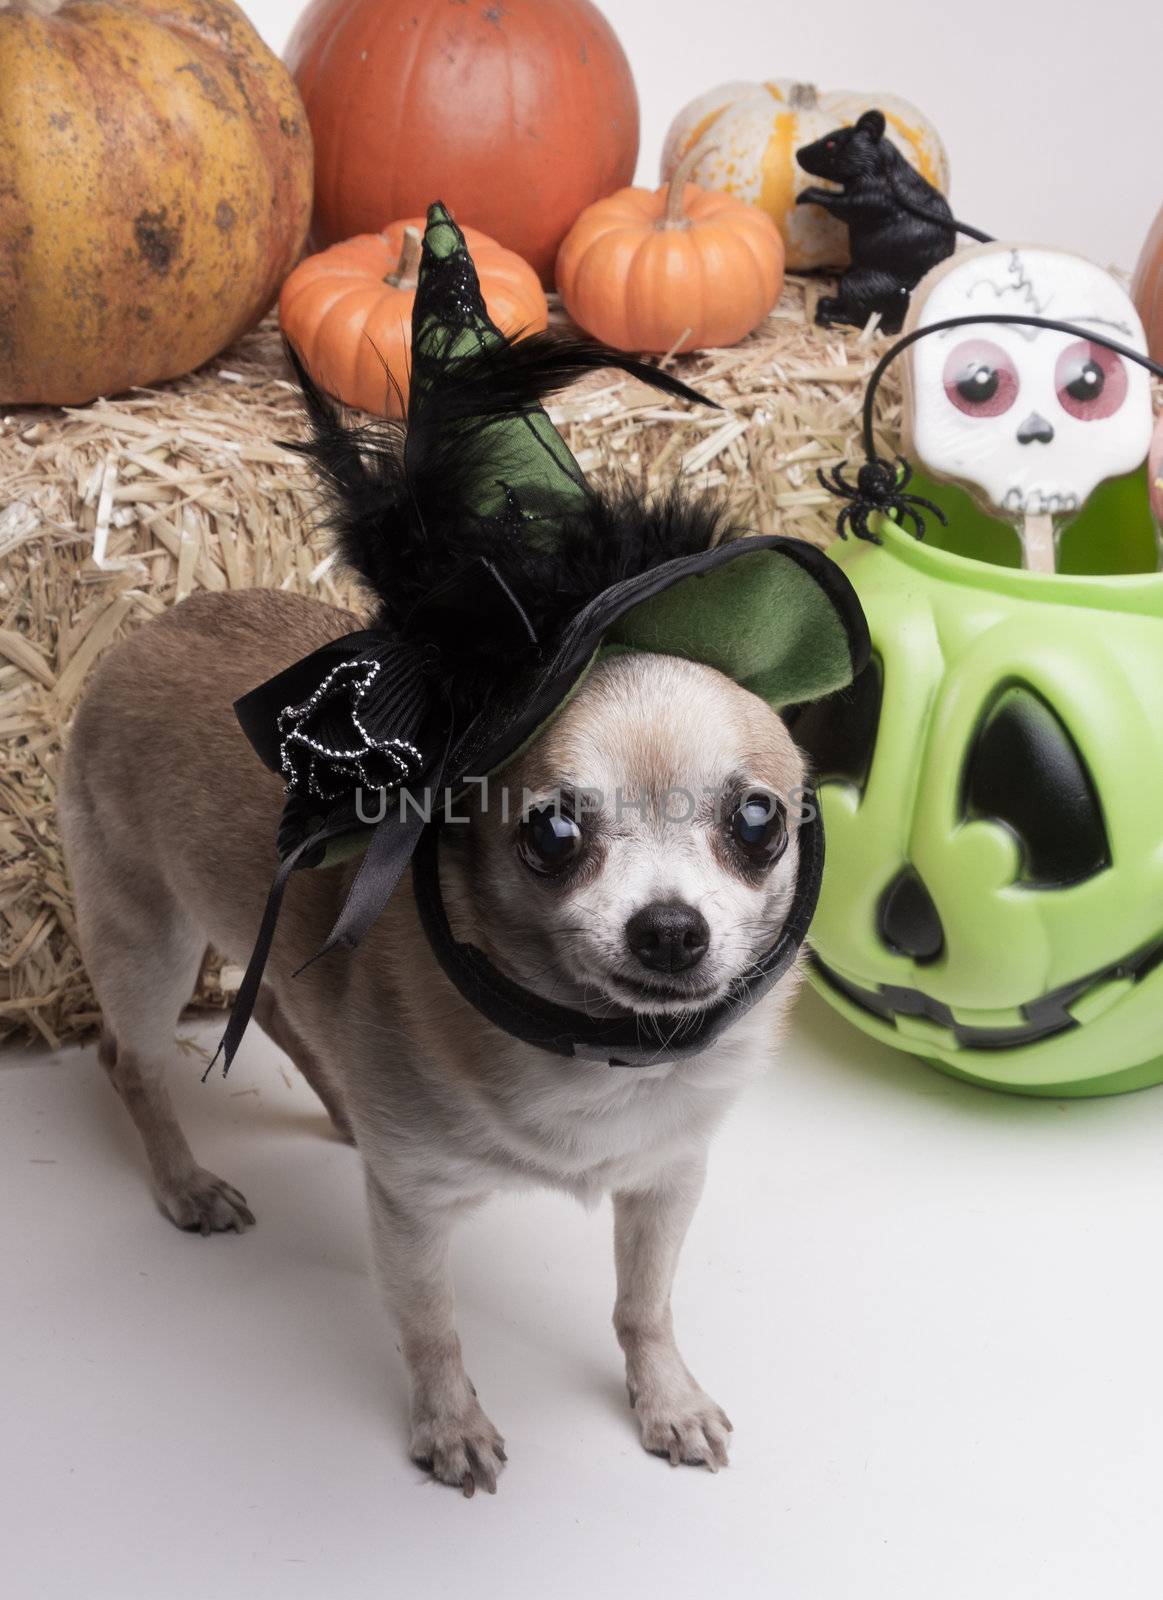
x: 624, y: 1040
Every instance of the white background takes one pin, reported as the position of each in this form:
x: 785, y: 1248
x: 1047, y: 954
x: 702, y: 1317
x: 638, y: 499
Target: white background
x: 1050, y: 109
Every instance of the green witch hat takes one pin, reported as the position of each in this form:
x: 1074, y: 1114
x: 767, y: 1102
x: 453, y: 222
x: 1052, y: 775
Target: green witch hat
x: 498, y: 573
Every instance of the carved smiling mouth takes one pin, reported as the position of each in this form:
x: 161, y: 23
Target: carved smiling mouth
x: 1045, y: 1017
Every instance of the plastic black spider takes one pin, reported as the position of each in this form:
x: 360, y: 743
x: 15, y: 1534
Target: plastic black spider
x: 880, y: 486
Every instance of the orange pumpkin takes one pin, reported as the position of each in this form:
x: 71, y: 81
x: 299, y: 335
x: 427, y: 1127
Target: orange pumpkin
x: 1155, y: 470
x: 155, y: 189
x: 1147, y: 289
x: 671, y: 269
x: 348, y: 310
x: 516, y: 115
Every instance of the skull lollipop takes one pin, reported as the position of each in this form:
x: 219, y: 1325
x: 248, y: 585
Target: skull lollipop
x: 1029, y: 419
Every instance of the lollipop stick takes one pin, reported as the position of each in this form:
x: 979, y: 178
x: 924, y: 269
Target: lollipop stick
x: 1038, y: 542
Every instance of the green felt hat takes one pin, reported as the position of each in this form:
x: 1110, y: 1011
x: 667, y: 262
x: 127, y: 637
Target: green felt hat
x: 498, y: 573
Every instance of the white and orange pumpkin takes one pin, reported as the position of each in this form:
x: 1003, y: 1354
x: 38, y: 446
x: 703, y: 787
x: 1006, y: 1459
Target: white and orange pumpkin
x: 757, y: 129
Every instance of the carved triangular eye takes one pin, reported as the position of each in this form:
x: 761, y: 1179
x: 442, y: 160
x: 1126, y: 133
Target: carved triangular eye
x: 1026, y: 772
x: 838, y: 733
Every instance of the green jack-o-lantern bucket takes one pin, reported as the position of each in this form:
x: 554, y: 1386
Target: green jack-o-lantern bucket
x: 992, y: 795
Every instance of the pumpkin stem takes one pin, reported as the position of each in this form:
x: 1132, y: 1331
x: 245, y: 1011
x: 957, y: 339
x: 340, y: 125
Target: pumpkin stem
x: 803, y: 97
x: 407, y: 273
x: 675, y: 214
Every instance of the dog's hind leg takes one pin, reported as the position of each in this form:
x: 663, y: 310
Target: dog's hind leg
x: 193, y: 1198
x: 144, y: 964
x: 143, y: 953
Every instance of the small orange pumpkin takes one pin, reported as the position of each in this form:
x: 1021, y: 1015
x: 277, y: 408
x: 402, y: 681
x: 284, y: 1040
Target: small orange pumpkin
x: 348, y: 310
x: 671, y: 269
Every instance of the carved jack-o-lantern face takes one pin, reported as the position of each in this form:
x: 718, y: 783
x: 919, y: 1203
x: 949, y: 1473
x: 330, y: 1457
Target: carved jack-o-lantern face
x: 992, y: 791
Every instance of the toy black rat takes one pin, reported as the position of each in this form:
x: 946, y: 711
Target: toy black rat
x: 899, y: 226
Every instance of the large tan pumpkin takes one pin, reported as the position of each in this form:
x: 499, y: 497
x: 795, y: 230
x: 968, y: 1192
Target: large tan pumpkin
x: 1147, y: 289
x: 155, y: 189
x: 750, y: 133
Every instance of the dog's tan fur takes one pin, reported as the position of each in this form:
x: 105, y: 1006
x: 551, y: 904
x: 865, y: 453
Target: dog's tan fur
x: 169, y: 822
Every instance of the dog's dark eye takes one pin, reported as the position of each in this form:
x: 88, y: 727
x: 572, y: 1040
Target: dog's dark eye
x: 548, y: 839
x: 758, y: 828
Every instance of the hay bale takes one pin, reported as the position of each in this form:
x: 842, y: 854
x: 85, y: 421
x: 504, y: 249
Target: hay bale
x: 791, y: 394
x: 112, y: 512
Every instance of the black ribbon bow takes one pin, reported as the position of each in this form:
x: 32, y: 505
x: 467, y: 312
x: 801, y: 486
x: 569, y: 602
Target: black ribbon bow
x: 357, y: 727
x: 370, y: 710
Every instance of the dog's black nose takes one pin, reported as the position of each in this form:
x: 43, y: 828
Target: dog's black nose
x: 668, y: 936
x: 1035, y: 430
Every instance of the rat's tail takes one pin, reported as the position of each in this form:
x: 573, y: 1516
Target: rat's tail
x: 907, y: 203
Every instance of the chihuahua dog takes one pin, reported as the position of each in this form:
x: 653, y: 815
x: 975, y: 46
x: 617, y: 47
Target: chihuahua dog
x: 578, y: 873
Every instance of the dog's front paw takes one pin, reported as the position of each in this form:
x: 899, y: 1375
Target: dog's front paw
x: 461, y: 1448
x: 685, y: 1426
x: 202, y: 1203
